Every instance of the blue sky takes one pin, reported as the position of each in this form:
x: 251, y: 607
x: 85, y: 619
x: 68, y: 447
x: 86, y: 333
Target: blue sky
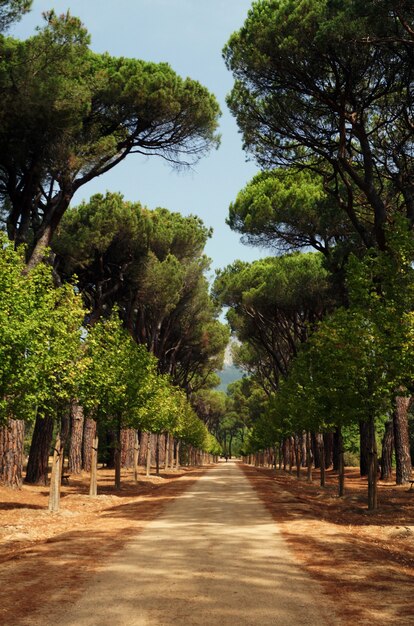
x: 189, y: 35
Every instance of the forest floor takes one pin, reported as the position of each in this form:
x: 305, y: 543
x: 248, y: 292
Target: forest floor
x: 363, y: 561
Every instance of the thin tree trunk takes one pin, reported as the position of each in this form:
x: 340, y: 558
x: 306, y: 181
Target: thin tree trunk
x: 89, y: 433
x: 309, y: 457
x: 76, y: 437
x: 402, y: 440
x: 363, y: 448
x: 321, y: 444
x: 93, y: 487
x: 127, y: 448
x: 157, y: 453
x: 117, y: 457
x: 11, y: 453
x: 38, y: 463
x: 149, y: 454
x: 136, y: 456
x: 167, y: 451
x: 298, y: 450
x: 372, y: 467
x: 55, y: 478
x: 177, y: 456
x: 328, y: 446
x: 341, y: 464
x: 387, y: 450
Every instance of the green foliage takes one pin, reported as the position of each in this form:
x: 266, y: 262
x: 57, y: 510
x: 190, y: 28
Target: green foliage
x: 119, y: 377
x: 11, y: 11
x: 40, y: 328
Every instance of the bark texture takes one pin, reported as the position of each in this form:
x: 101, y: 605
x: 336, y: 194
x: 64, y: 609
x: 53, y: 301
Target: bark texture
x: 11, y: 453
x: 402, y: 440
x: 89, y: 432
x: 76, y: 438
x: 38, y: 463
x: 387, y: 450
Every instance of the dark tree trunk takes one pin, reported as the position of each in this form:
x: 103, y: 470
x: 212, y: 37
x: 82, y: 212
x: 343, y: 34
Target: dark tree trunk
x: 401, y: 440
x: 89, y: 433
x: 321, y: 446
x: 76, y: 438
x: 372, y: 467
x: 285, y: 448
x: 387, y: 450
x: 38, y: 463
x: 298, y: 453
x: 341, y: 463
x: 328, y: 445
x: 315, y: 450
x: 11, y: 453
x: 127, y: 447
x: 337, y: 447
x: 117, y: 457
x: 363, y: 448
x: 157, y: 453
x: 309, y: 457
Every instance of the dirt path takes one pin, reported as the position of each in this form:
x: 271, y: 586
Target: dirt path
x: 214, y: 556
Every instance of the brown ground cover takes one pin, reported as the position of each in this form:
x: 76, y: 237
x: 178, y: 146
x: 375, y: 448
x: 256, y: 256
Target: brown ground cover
x: 364, y: 560
x: 45, y: 558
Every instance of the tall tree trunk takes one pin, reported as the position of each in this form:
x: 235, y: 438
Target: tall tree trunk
x: 401, y: 440
x: 76, y: 438
x: 157, y: 453
x: 11, y: 453
x: 309, y: 456
x: 55, y: 478
x: 341, y: 463
x: 167, y: 451
x: 337, y: 446
x: 291, y: 454
x: 136, y: 456
x: 363, y: 448
x: 127, y: 447
x: 321, y: 446
x: 89, y: 433
x: 387, y: 450
x: 148, y: 461
x: 93, y: 486
x: 117, y: 457
x: 298, y: 452
x: 372, y: 467
x: 38, y: 463
x: 177, y: 455
x: 328, y: 446
x: 315, y: 450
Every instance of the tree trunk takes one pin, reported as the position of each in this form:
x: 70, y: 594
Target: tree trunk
x: 363, y: 448
x: 177, y: 456
x: 309, y: 457
x: 321, y: 447
x: 298, y: 451
x: 117, y: 457
x: 38, y: 463
x: 93, y: 486
x: 337, y: 446
x: 401, y: 440
x: 89, y: 433
x: 387, y: 450
x: 341, y: 463
x: 136, y: 456
x: 76, y: 438
x: 328, y: 446
x: 11, y: 453
x: 372, y: 467
x: 149, y: 437
x: 55, y: 478
x: 291, y: 454
x: 157, y: 454
x: 167, y: 451
x: 127, y: 448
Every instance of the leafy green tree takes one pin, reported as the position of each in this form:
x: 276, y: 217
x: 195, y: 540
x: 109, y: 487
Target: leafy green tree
x: 69, y: 115
x: 39, y: 351
x: 118, y: 382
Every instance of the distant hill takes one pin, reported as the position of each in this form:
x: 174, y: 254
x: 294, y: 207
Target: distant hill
x: 228, y: 375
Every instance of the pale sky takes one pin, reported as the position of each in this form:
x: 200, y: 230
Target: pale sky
x: 189, y: 35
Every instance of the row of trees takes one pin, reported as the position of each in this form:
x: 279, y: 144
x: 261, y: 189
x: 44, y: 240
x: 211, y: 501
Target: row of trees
x: 105, y: 305
x: 323, y: 98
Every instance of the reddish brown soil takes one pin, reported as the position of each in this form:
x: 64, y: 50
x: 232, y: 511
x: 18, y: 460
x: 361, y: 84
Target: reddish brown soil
x: 365, y: 560
x: 45, y: 558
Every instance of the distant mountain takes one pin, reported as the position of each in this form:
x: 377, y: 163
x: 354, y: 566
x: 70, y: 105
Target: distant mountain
x: 228, y: 375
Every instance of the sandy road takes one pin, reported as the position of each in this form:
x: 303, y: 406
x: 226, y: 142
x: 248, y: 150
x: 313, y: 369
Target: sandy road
x: 214, y: 557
